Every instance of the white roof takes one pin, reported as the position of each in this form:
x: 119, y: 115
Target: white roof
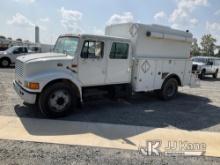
x: 158, y: 28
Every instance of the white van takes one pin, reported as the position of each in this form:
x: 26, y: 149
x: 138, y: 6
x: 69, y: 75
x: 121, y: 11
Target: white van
x: 130, y: 58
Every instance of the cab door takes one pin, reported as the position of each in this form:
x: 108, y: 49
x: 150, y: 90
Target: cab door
x: 92, y: 63
x: 119, y: 63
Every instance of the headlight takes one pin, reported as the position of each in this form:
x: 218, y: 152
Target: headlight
x: 32, y: 85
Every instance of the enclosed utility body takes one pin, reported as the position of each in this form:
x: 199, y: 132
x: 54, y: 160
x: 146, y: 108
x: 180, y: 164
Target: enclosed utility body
x: 129, y: 58
x: 154, y: 41
x: 158, y: 52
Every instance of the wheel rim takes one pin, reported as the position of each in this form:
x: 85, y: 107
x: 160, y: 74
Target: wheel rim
x: 59, y: 101
x: 5, y: 63
x: 170, y: 90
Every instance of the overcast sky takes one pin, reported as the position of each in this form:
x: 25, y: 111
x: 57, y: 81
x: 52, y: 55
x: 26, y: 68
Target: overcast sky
x: 55, y: 17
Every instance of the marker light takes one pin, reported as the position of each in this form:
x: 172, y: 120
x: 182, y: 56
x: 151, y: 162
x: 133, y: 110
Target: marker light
x: 32, y: 85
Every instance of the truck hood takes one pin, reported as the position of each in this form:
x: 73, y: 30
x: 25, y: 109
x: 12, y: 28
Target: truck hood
x: 41, y: 56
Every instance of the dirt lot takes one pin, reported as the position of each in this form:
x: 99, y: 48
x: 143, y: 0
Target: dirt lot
x: 195, y: 109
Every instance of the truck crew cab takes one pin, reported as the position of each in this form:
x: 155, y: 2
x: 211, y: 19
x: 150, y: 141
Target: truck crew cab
x: 130, y: 58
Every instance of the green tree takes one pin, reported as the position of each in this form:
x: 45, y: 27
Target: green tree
x: 195, y: 50
x: 208, y: 45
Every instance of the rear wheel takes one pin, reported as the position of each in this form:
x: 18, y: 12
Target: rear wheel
x: 5, y: 62
x: 57, y: 100
x: 215, y: 75
x: 169, y: 89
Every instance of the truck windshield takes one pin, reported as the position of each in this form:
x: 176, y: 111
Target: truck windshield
x: 202, y: 60
x: 66, y: 45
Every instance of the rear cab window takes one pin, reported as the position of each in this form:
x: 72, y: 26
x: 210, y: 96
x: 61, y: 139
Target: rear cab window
x: 119, y: 50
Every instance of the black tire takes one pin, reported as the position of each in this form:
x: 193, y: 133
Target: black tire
x: 57, y: 100
x: 5, y: 62
x: 169, y: 89
x: 202, y: 74
x: 215, y: 75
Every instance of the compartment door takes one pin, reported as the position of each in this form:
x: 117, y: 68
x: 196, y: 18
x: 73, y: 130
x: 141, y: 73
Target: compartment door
x: 146, y: 75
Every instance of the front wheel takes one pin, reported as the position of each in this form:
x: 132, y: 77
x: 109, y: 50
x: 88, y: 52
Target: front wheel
x: 169, y: 89
x: 57, y: 100
x: 215, y: 75
x: 5, y: 62
x: 202, y: 74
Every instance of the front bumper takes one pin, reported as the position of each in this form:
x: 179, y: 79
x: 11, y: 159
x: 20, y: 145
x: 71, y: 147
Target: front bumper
x: 28, y: 97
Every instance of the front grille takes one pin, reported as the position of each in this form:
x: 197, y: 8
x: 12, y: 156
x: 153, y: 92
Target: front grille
x: 19, y: 68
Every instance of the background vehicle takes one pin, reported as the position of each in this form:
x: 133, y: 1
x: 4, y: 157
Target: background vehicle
x: 9, y: 56
x: 206, y: 66
x: 34, y: 49
x: 141, y: 58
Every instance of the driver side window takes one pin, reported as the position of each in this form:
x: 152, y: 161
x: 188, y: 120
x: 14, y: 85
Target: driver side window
x: 92, y: 49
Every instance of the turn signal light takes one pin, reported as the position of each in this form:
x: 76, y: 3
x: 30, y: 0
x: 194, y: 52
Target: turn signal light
x: 32, y: 85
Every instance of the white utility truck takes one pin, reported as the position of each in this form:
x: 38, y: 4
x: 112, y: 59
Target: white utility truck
x: 130, y: 58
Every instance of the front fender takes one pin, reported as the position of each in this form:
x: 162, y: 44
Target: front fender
x: 46, y: 77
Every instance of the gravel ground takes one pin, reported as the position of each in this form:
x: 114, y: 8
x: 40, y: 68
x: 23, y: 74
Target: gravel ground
x: 26, y: 153
x: 193, y: 109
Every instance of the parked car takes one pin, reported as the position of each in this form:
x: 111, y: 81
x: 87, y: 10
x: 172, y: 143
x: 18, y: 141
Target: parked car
x: 9, y: 56
x: 34, y: 49
x: 206, y: 66
x: 130, y: 58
